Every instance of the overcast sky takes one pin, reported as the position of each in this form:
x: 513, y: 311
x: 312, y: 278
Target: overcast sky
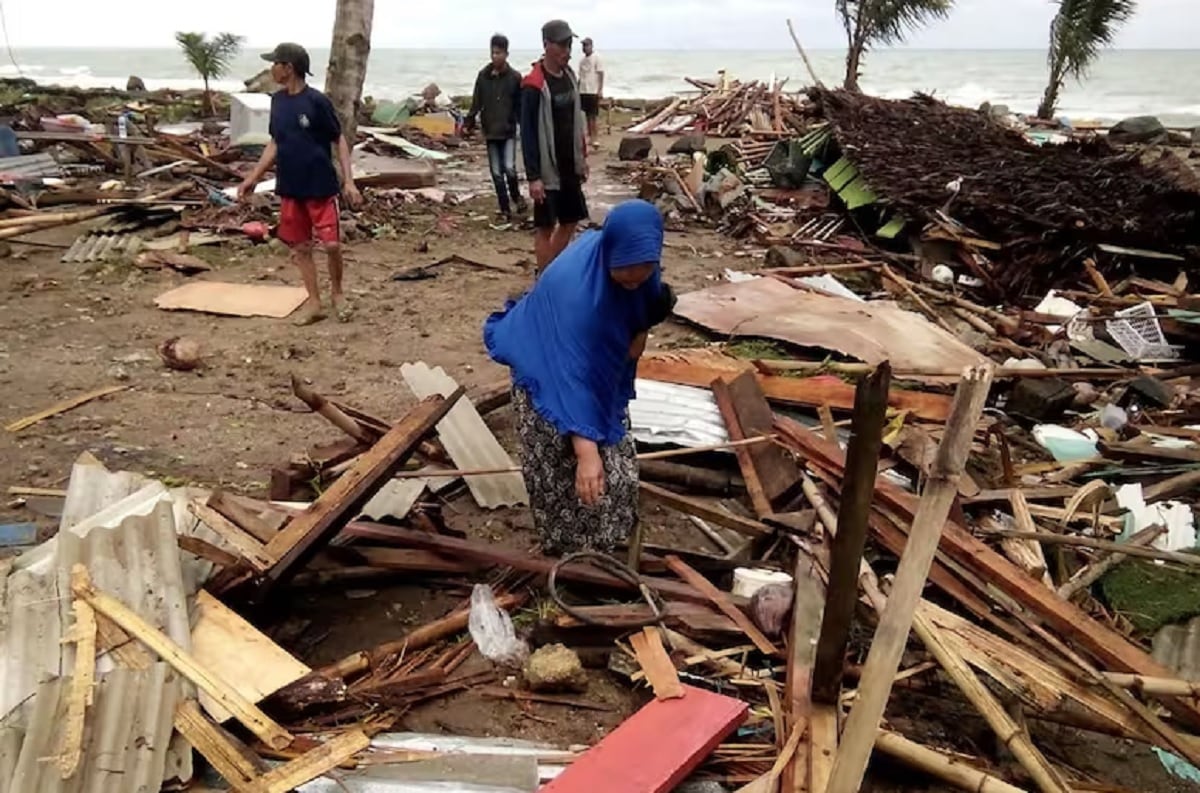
x: 615, y: 24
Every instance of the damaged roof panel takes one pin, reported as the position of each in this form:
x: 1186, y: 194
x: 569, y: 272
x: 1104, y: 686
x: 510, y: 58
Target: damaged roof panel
x: 468, y: 440
x: 666, y: 413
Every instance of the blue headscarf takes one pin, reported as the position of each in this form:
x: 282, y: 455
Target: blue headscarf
x: 567, y: 340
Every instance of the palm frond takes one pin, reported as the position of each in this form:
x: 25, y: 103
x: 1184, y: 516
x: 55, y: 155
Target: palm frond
x: 1081, y: 28
x: 889, y: 21
x: 210, y: 58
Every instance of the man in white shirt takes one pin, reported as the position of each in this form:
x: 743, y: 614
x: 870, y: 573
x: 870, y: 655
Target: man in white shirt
x: 591, y: 89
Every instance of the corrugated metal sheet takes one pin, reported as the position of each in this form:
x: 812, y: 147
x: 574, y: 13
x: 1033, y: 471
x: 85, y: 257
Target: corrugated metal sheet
x: 102, y: 247
x: 1177, y: 647
x: 468, y: 440
x: 126, y: 743
x: 130, y: 547
x: 665, y: 413
x: 395, y: 499
x: 28, y: 167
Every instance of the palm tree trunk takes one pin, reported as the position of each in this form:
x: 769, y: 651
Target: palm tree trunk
x: 348, y: 61
x: 1050, y: 98
x: 853, y: 59
x: 208, y: 98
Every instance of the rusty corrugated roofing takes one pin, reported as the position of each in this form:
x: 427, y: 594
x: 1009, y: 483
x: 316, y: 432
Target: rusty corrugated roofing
x: 1177, y: 647
x: 468, y: 440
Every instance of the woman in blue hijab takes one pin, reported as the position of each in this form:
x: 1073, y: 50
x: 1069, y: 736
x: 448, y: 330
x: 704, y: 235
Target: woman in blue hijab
x: 572, y: 343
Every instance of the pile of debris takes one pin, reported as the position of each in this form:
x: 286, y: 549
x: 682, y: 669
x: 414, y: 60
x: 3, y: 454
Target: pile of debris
x: 728, y: 109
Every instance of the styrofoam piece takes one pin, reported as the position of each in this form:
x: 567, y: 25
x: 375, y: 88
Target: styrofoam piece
x: 747, y: 580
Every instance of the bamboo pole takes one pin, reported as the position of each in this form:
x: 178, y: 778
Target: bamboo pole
x: 1094, y: 572
x: 1188, y: 559
x: 1155, y: 686
x: 947, y: 768
x: 883, y: 661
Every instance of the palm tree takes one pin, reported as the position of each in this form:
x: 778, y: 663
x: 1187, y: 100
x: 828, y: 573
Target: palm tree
x: 348, y: 61
x: 870, y: 22
x: 210, y: 58
x: 1079, y: 30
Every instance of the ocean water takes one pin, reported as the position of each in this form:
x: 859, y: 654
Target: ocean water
x: 1122, y: 83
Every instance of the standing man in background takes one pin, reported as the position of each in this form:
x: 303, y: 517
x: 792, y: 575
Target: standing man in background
x: 554, y: 144
x: 497, y: 99
x: 304, y: 129
x: 591, y: 89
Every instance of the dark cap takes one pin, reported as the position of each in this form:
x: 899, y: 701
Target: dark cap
x: 557, y: 31
x: 294, y: 54
x: 587, y: 40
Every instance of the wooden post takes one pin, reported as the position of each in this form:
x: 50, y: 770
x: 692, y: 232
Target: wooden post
x: 806, y: 621
x: 862, y: 726
x: 862, y: 461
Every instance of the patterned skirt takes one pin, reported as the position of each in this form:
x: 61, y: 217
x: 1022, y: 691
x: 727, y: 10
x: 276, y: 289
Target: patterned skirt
x: 548, y: 462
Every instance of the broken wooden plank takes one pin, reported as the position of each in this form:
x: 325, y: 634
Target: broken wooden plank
x: 883, y: 661
x: 64, y: 406
x: 807, y: 605
x: 314, y: 763
x: 215, y: 746
x: 206, y: 550
x: 263, y: 525
x: 776, y: 470
x: 692, y: 506
x: 810, y: 392
x: 82, y: 689
x: 300, y: 540
x: 652, y: 657
x: 657, y: 748
x: 331, y: 412
x: 235, y: 651
x: 723, y: 603
x: 823, y: 742
x: 862, y: 461
x: 248, y: 548
x: 128, y: 620
x: 754, y: 486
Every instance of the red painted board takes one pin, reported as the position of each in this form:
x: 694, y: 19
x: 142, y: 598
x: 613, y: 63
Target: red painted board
x: 655, y: 749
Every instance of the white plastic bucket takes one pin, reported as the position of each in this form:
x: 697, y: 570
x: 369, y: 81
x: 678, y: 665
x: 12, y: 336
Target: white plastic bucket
x: 747, y: 581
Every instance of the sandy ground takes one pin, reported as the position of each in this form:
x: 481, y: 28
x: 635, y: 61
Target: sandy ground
x: 66, y: 329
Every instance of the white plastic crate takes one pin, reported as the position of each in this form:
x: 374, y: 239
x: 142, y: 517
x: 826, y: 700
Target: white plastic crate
x: 1137, y: 330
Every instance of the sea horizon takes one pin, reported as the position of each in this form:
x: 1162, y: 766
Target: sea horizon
x: 1121, y: 83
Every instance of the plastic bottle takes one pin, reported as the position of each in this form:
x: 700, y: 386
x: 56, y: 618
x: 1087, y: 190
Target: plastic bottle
x: 123, y: 125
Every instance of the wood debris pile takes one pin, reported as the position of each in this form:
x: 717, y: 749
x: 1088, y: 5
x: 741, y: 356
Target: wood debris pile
x: 728, y: 109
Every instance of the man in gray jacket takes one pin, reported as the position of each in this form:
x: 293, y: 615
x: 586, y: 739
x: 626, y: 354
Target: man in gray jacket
x: 554, y: 144
x: 497, y: 99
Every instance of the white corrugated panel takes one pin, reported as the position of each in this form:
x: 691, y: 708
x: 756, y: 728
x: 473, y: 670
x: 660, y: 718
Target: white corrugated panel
x: 468, y: 440
x: 665, y: 413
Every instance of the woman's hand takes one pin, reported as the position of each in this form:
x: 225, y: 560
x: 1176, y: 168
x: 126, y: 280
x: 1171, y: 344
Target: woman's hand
x: 589, y: 471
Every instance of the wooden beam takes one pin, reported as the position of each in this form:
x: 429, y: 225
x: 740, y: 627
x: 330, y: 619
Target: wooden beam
x: 746, y: 405
x: 883, y: 661
x: 862, y: 462
x: 802, y: 644
x: 245, y: 711
x: 300, y: 540
x: 206, y: 550
x: 242, y: 516
x: 723, y: 603
x: 1188, y: 559
x: 823, y: 743
x: 754, y: 485
x: 692, y: 506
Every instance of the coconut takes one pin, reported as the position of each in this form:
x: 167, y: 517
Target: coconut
x: 180, y: 353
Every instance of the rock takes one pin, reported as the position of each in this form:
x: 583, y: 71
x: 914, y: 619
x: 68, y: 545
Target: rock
x: 1043, y: 399
x: 180, y: 353
x: 261, y: 83
x: 555, y: 668
x: 135, y: 83
x: 1140, y: 129
x: 1147, y: 390
x: 770, y: 607
x: 634, y: 148
x: 1086, y: 394
x: 688, y: 144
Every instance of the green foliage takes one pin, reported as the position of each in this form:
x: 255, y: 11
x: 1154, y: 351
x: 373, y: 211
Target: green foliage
x: 1152, y: 595
x: 1081, y: 28
x: 211, y: 58
x: 888, y: 21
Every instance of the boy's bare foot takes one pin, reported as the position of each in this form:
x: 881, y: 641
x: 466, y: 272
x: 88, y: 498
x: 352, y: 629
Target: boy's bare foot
x: 342, y: 308
x: 310, y: 313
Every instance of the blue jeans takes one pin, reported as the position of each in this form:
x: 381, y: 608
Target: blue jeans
x: 502, y: 160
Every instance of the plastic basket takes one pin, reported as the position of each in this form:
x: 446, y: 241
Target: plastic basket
x: 1137, y: 331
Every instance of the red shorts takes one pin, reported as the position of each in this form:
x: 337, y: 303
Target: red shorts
x: 303, y: 219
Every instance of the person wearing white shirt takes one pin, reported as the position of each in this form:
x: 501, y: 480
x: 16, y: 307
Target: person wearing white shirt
x: 591, y: 89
